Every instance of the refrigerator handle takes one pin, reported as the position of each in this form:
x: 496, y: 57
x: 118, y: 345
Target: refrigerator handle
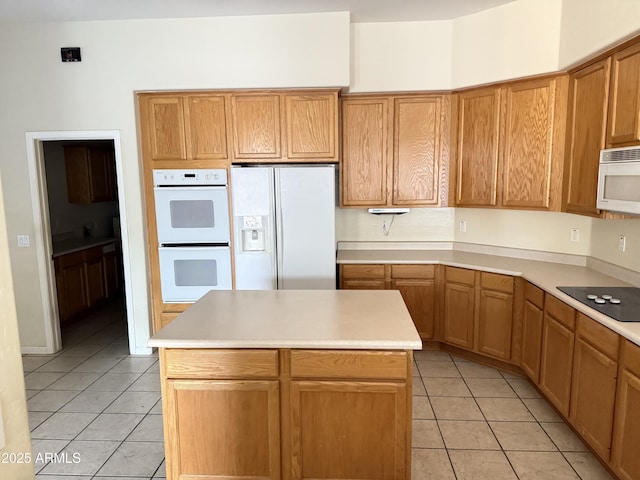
x: 279, y: 231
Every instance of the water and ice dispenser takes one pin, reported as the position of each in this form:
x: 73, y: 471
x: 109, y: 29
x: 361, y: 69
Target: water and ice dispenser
x: 253, y: 233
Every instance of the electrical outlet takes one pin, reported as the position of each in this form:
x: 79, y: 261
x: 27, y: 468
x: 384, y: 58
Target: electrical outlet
x: 575, y: 234
x: 462, y: 225
x: 622, y: 243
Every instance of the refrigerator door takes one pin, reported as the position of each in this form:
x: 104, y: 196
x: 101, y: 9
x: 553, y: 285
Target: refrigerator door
x: 305, y: 218
x: 253, y: 218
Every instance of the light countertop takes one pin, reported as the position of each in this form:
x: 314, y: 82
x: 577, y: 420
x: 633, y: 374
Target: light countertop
x: 72, y: 245
x: 546, y: 275
x: 325, y: 319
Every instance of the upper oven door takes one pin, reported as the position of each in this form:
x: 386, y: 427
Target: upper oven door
x: 192, y: 215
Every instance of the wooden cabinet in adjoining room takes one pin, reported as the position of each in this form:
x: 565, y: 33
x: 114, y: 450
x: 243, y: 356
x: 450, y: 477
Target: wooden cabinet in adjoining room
x: 395, y: 150
x: 586, y: 132
x: 416, y: 284
x: 532, y: 322
x: 90, y: 173
x: 477, y: 147
x: 184, y: 127
x: 94, y: 270
x: 624, y: 105
x: 593, y: 388
x: 625, y: 460
x: 556, y: 364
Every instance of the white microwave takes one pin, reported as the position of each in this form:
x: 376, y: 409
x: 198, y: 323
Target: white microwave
x: 619, y: 180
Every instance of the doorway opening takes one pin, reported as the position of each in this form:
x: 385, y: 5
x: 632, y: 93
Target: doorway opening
x: 71, y: 214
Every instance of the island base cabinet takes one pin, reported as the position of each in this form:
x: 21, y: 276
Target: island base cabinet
x: 222, y: 429
x: 348, y: 430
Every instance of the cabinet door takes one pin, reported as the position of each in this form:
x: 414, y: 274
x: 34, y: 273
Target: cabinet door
x: 478, y: 131
x: 360, y: 426
x: 495, y: 318
x: 226, y: 428
x: 556, y: 363
x: 75, y: 287
x: 95, y: 276
x: 256, y: 127
x: 459, y: 314
x: 586, y: 130
x: 624, y: 108
x: 416, y: 150
x: 165, y: 127
x: 531, y: 160
x: 365, y: 144
x: 312, y: 126
x: 206, y: 129
x: 593, y: 393
x: 111, y: 268
x: 626, y: 430
x: 100, y: 190
x: 532, y: 321
x: 419, y: 296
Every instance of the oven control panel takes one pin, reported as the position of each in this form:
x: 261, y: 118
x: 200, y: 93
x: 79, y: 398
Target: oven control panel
x: 198, y: 177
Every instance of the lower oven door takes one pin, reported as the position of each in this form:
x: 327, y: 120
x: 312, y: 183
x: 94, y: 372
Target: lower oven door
x: 187, y: 273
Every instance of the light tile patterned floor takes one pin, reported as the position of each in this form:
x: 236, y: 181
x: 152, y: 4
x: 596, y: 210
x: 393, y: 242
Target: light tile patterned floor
x: 94, y: 400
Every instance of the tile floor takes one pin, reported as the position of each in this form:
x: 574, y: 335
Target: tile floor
x: 94, y: 400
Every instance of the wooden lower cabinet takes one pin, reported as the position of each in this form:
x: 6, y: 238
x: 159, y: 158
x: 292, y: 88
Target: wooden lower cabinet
x: 593, y: 389
x: 287, y: 414
x: 458, y: 314
x: 416, y: 284
x: 532, y: 322
x: 494, y: 315
x: 625, y: 460
x: 558, y: 341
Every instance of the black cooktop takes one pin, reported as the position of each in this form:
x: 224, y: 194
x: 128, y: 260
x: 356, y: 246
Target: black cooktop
x: 620, y: 303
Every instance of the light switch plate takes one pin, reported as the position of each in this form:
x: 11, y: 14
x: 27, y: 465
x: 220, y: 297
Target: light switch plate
x: 23, y: 240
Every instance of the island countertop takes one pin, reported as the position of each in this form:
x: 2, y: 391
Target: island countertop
x: 323, y: 319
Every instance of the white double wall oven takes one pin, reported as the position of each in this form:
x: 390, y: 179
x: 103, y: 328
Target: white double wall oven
x: 192, y: 218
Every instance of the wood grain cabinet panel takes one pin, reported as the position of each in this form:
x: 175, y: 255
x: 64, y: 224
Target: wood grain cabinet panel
x: 94, y: 271
x: 532, y: 144
x: 238, y: 420
x: 365, y: 155
x: 624, y: 107
x: 532, y: 322
x: 90, y: 173
x: 593, y: 388
x: 163, y: 126
x: 359, y: 426
x: 416, y: 150
x: 556, y: 365
x: 459, y: 314
x: 494, y: 323
x: 478, y: 137
x: 419, y: 296
x: 626, y: 429
x: 586, y: 132
x: 206, y: 129
x: 312, y: 127
x: 256, y: 126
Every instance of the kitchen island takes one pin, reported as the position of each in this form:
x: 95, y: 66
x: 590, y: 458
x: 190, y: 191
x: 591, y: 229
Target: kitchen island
x: 289, y: 384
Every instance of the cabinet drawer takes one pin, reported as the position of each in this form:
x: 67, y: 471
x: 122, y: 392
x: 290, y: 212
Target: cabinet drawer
x: 562, y: 312
x: 412, y: 271
x: 603, y: 339
x: 348, y: 364
x: 362, y: 271
x: 460, y: 275
x: 534, y: 294
x: 199, y: 363
x: 70, y: 259
x: 92, y: 253
x: 631, y: 357
x: 494, y: 281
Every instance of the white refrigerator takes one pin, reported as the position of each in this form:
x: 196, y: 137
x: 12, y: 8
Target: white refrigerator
x: 284, y: 221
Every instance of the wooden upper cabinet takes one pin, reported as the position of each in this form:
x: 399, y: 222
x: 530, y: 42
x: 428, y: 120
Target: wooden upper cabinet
x: 624, y: 106
x: 532, y: 143
x: 206, y: 130
x: 416, y: 150
x: 477, y: 157
x: 256, y: 126
x: 365, y: 144
x: 184, y: 127
x: 586, y: 131
x: 392, y: 150
x: 163, y: 117
x: 312, y: 126
x: 90, y: 173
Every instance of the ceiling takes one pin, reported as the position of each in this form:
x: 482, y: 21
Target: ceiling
x: 361, y: 10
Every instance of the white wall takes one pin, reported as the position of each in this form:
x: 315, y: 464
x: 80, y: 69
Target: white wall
x: 590, y: 26
x: 13, y: 401
x: 401, y: 56
x: 40, y: 93
x: 604, y: 242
